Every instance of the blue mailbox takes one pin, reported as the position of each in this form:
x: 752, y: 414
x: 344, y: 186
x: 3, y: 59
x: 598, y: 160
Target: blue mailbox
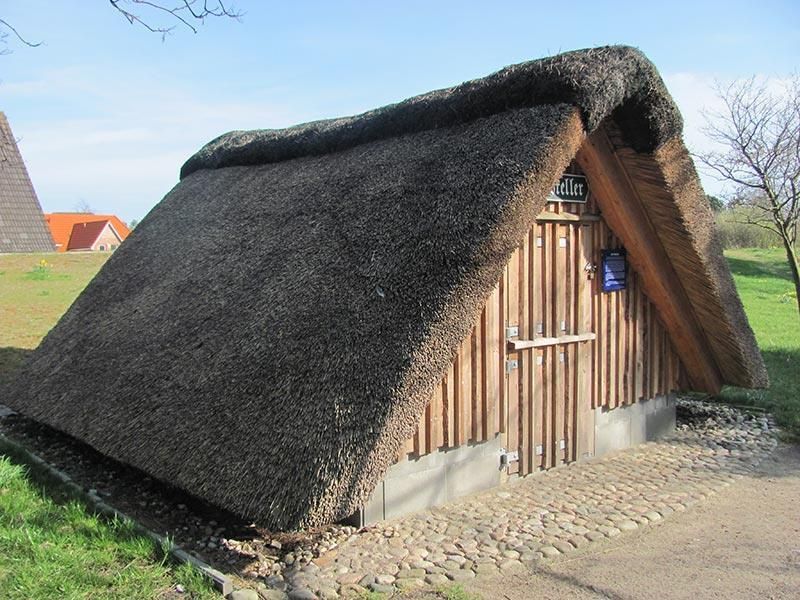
x: 615, y: 270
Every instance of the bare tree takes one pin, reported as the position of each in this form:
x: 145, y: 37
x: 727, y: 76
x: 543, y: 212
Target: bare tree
x: 82, y: 206
x: 759, y: 136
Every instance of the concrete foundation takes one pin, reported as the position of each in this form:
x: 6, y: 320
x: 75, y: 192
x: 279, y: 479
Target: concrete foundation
x: 414, y: 485
x: 435, y: 479
x: 633, y: 424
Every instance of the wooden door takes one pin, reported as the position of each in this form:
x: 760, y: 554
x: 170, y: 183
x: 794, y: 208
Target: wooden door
x: 549, y: 332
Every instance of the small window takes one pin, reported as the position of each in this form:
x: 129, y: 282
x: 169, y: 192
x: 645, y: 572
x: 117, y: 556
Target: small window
x: 102, y: 248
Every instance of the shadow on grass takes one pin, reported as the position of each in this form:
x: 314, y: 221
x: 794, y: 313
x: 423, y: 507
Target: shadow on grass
x: 10, y: 361
x: 782, y: 399
x: 755, y: 268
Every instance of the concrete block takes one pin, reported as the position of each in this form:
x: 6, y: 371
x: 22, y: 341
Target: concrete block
x: 473, y: 475
x: 611, y: 433
x: 373, y: 510
x: 413, y: 492
x: 638, y: 422
x: 662, y: 421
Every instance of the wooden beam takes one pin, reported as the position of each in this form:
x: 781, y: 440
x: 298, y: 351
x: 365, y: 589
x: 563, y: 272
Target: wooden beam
x: 563, y: 217
x: 625, y: 213
x: 515, y: 345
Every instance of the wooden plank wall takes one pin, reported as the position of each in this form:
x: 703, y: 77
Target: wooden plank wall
x: 546, y: 293
x: 467, y: 405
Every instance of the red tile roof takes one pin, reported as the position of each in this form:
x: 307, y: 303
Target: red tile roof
x: 84, y: 235
x: 62, y: 224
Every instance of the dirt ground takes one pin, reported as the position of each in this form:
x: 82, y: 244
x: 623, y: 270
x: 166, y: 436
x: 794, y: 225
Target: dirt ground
x: 743, y: 542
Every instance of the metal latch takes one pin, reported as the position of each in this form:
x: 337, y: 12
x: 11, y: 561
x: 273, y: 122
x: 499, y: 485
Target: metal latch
x: 511, y: 364
x: 512, y: 331
x: 506, y: 457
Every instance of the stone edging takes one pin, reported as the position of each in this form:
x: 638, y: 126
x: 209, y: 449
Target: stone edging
x: 91, y: 499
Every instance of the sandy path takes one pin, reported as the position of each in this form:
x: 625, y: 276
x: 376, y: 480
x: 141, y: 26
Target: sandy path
x: 743, y: 542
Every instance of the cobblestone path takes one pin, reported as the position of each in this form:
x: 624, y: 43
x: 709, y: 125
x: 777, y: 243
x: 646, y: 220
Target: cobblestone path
x: 543, y: 516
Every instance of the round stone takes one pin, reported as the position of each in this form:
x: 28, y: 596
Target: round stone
x: 549, y: 551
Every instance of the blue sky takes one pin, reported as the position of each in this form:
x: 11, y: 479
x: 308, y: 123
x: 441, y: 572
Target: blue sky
x: 106, y: 112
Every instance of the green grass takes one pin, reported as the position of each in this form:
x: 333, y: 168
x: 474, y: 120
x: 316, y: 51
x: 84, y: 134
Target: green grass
x: 765, y: 286
x: 50, y: 550
x: 34, y: 296
x: 35, y: 290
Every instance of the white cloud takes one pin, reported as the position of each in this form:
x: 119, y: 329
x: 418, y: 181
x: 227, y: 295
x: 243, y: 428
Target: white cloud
x: 124, y: 149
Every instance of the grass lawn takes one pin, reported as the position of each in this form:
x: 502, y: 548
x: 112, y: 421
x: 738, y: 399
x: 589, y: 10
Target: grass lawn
x: 34, y: 295
x: 765, y: 286
x: 50, y: 549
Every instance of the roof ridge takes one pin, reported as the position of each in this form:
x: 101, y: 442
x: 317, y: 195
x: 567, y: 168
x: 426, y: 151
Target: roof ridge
x: 597, y: 80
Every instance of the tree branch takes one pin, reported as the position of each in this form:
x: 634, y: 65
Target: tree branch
x: 185, y: 13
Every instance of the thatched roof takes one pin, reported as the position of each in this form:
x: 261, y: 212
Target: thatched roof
x: 269, y: 334
x: 22, y: 226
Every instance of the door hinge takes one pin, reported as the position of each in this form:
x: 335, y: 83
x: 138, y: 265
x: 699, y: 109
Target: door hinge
x: 506, y: 457
x: 511, y: 365
x: 512, y: 331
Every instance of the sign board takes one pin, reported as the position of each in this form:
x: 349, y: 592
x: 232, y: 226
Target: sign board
x: 570, y: 188
x: 615, y: 270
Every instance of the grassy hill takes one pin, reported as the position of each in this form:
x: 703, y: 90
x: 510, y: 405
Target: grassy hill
x: 765, y: 286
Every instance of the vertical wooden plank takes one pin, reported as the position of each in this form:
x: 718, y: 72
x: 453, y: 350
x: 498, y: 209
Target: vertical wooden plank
x: 639, y: 340
x: 608, y: 359
x: 458, y: 416
x: 533, y: 302
x: 572, y: 302
x: 524, y: 363
x: 476, y: 413
x: 502, y: 379
x: 559, y: 288
x: 662, y: 375
x: 546, y: 275
x: 569, y: 411
x: 596, y: 319
x: 427, y: 441
x: 654, y: 331
x: 675, y: 370
x: 603, y: 337
x: 539, y: 401
x: 513, y: 381
x: 559, y: 404
x: 538, y: 302
x: 483, y: 351
x: 619, y: 340
x: 436, y: 417
x: 541, y: 308
x: 548, y: 414
x: 492, y: 363
x: 627, y: 312
x: 465, y: 388
x: 584, y: 443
